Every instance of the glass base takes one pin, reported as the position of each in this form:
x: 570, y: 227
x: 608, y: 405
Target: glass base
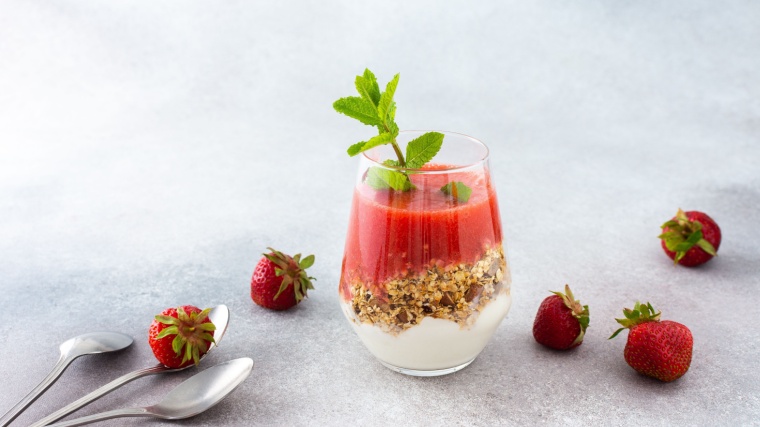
x: 425, y: 373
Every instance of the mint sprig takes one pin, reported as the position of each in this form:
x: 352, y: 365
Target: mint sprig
x: 375, y: 108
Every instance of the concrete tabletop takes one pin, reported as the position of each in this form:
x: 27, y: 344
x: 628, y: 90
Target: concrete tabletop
x: 151, y: 151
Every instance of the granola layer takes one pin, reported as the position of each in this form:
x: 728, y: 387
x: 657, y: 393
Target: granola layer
x: 455, y: 292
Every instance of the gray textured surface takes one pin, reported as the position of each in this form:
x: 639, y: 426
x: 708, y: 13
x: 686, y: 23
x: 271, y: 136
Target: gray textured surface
x: 150, y: 152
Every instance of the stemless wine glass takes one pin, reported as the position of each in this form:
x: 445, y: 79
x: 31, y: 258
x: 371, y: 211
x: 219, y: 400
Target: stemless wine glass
x: 425, y: 281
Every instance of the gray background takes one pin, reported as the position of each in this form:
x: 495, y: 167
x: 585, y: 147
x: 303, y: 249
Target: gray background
x: 150, y: 151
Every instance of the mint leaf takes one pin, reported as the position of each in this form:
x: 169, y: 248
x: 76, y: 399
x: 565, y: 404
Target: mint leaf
x: 458, y: 190
x: 422, y: 149
x: 386, y: 100
x: 393, y: 128
x: 367, y: 87
x: 359, y: 109
x: 391, y: 163
x: 381, y: 139
x: 391, y: 125
x: 374, y: 92
x: 356, y: 148
x: 383, y: 179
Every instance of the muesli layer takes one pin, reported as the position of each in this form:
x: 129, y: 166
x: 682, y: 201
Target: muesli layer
x: 456, y: 292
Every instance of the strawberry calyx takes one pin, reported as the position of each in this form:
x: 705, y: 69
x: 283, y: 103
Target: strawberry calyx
x: 681, y: 234
x: 641, y: 313
x: 580, y: 312
x: 293, y: 271
x: 191, y: 333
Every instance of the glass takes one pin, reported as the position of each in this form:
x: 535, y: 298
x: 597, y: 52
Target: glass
x: 425, y: 281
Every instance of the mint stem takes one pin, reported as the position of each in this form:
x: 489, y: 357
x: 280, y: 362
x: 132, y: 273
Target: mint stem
x: 396, y: 148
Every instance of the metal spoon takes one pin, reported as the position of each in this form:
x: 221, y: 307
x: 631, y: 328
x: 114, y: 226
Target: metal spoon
x: 219, y: 316
x: 193, y: 396
x: 92, y: 343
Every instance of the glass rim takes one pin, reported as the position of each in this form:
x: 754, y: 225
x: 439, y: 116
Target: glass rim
x: 457, y: 168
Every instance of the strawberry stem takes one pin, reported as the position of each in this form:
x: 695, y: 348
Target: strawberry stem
x: 641, y: 313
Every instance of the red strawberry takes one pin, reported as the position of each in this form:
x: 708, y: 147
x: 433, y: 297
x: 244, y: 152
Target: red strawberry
x: 690, y: 238
x: 659, y: 349
x: 280, y: 281
x: 561, y: 321
x: 180, y: 336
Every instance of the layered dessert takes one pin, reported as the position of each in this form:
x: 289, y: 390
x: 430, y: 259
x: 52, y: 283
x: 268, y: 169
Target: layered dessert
x: 424, y: 281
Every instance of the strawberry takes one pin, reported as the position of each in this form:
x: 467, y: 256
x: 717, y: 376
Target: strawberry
x: 561, y: 321
x: 659, y: 349
x: 180, y: 336
x: 279, y: 281
x: 690, y: 238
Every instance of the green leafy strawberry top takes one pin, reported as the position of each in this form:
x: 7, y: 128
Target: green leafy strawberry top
x: 293, y: 271
x: 191, y: 333
x: 378, y: 109
x: 578, y: 311
x: 641, y: 313
x: 681, y: 234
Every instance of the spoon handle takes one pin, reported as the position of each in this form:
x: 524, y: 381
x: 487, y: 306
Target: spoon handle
x: 100, y: 392
x: 116, y: 413
x: 60, y: 366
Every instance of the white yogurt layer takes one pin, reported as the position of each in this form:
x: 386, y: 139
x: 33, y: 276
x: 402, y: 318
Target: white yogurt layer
x: 434, y: 343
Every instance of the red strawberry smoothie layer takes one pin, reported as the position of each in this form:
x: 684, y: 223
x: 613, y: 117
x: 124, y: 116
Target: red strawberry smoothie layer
x: 393, y: 232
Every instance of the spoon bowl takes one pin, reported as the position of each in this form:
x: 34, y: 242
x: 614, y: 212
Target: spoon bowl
x: 92, y: 343
x: 95, y: 343
x: 202, y: 391
x: 193, y: 396
x: 219, y: 316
